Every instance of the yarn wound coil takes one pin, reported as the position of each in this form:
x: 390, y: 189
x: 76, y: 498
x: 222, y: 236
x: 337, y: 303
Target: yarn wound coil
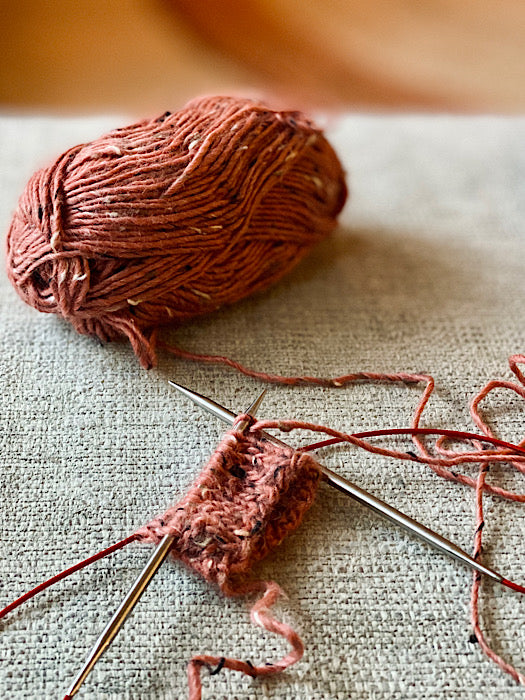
x: 173, y: 217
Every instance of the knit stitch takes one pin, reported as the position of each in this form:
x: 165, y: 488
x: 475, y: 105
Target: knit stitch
x: 248, y: 497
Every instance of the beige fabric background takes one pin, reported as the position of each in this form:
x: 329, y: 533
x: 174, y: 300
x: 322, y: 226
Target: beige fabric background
x: 425, y: 273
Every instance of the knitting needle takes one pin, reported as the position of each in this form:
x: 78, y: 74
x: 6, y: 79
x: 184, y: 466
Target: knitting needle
x: 137, y: 589
x: 363, y: 497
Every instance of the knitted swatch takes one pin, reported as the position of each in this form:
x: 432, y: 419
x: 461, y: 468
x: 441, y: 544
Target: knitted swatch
x: 248, y: 497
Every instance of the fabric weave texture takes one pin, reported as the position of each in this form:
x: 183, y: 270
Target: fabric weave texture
x: 424, y: 274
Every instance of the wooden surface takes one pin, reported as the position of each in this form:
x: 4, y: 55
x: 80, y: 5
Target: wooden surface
x: 141, y: 55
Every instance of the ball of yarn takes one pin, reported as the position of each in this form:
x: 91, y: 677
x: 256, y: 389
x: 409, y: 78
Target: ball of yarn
x: 173, y: 217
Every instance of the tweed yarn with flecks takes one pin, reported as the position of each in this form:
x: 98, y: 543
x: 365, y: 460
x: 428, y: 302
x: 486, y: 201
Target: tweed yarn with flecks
x: 245, y: 501
x: 248, y: 497
x: 173, y: 217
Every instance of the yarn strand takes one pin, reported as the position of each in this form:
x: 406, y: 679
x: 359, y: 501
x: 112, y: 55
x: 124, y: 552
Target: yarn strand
x: 260, y: 616
x: 64, y: 574
x: 486, y: 449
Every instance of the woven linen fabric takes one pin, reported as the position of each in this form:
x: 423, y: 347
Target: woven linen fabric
x: 426, y: 273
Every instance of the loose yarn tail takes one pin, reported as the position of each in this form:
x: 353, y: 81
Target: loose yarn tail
x: 476, y: 585
x: 260, y: 616
x: 64, y: 574
x: 444, y: 462
x: 329, y: 382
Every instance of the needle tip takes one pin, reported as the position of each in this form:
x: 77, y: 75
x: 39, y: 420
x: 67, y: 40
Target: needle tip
x: 252, y: 410
x: 180, y: 388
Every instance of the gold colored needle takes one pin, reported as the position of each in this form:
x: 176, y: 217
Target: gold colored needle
x: 137, y: 589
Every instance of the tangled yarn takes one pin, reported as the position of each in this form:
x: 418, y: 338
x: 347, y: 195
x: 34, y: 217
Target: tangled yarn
x: 161, y: 221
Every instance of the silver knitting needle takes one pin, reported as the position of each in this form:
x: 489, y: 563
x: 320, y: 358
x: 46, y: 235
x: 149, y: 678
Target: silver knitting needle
x: 137, y: 589
x: 363, y: 497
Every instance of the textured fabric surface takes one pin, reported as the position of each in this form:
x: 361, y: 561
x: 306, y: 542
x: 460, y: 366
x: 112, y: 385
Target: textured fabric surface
x: 425, y: 274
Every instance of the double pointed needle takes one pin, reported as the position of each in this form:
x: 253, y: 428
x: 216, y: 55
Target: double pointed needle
x: 338, y: 482
x: 367, y: 499
x: 137, y: 589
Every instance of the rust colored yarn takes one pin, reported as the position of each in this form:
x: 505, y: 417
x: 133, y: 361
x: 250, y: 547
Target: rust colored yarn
x: 174, y: 217
x: 252, y: 493
x: 245, y: 501
x: 248, y: 497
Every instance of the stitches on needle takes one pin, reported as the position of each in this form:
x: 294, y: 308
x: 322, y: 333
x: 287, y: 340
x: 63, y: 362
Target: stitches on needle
x: 239, y: 462
x: 248, y: 497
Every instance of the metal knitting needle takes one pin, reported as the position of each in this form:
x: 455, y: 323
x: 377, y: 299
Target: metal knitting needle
x: 367, y: 499
x: 124, y: 610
